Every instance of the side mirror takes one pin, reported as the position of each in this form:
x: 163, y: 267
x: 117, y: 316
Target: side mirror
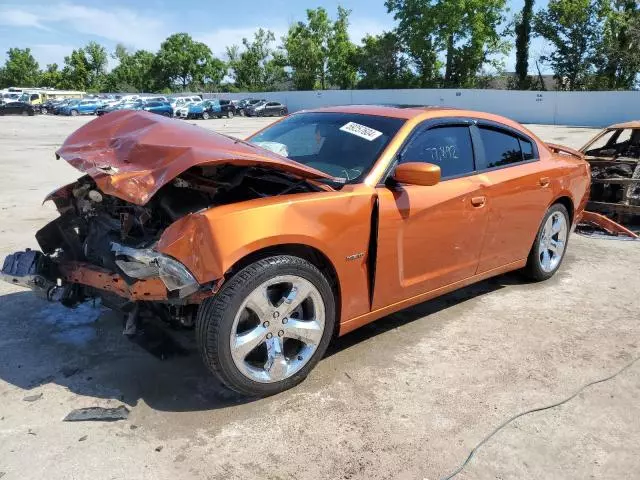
x: 417, y: 173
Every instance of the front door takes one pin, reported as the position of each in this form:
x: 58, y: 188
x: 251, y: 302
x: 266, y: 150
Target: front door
x: 431, y: 236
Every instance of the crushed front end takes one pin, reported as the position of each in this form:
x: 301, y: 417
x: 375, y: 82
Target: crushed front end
x: 103, y: 247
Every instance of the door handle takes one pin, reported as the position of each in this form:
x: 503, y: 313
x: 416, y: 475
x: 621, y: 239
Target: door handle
x: 545, y: 182
x: 478, y: 201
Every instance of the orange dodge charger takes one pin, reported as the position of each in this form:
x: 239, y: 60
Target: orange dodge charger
x: 322, y: 222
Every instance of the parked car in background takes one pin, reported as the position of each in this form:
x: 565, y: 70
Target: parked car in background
x: 241, y: 107
x: 57, y: 109
x: 50, y: 105
x: 182, y: 110
x: 269, y: 257
x: 266, y: 109
x: 82, y: 107
x: 205, y: 110
x: 122, y: 105
x: 228, y: 108
x: 160, y: 108
x: 154, y: 99
x: 179, y: 102
x: 17, y: 108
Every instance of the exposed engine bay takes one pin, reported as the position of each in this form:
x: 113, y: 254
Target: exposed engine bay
x: 117, y: 236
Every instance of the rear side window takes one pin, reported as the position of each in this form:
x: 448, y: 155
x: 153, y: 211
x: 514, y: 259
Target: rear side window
x: 501, y: 148
x: 527, y: 150
x: 448, y: 147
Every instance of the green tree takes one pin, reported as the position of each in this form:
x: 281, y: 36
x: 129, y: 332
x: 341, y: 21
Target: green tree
x: 76, y: 74
x: 20, y: 69
x: 97, y: 61
x: 307, y: 50
x: 523, y: 38
x: 134, y: 72
x: 183, y: 61
x: 50, y: 77
x: 382, y: 63
x: 258, y: 67
x: 573, y: 28
x: 466, y: 32
x: 617, y: 54
x: 341, y: 62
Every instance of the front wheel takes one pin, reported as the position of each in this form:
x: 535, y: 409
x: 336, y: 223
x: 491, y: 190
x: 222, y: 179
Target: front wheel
x: 550, y: 245
x: 74, y: 113
x: 43, y: 111
x: 268, y: 326
x: 242, y: 113
x: 205, y: 115
x: 229, y: 114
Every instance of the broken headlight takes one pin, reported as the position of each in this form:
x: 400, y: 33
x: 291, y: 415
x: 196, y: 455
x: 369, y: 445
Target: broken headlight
x: 147, y: 263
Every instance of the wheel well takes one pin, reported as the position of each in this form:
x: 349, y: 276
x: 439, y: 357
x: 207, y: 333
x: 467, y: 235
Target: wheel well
x: 311, y: 254
x: 568, y: 204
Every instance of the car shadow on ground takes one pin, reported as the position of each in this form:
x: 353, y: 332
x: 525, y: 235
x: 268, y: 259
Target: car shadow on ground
x: 84, y: 351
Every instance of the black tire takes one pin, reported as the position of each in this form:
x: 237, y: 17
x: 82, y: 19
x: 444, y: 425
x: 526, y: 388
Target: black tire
x: 216, y: 317
x: 533, y: 270
x: 205, y: 115
x: 229, y: 114
x: 43, y: 110
x: 73, y: 113
x: 282, y: 112
x: 242, y: 113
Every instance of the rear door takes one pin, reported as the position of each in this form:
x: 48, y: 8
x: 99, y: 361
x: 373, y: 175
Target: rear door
x: 518, y: 193
x: 431, y: 236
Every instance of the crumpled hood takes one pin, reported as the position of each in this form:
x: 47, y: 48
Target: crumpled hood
x: 131, y: 154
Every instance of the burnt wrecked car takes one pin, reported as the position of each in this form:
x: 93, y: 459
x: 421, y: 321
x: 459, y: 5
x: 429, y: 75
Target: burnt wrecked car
x: 614, y: 156
x: 322, y: 222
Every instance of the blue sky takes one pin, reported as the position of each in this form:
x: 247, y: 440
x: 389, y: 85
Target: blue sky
x: 52, y: 29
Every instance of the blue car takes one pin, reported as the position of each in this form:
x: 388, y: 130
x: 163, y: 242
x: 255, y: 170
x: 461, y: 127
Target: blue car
x: 161, y: 108
x: 81, y: 107
x: 205, y: 109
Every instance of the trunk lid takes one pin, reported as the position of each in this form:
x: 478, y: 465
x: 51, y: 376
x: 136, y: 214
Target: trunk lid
x: 132, y: 154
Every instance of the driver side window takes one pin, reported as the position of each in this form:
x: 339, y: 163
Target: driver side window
x: 448, y: 147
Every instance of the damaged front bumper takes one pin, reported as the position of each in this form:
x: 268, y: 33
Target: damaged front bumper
x: 152, y: 276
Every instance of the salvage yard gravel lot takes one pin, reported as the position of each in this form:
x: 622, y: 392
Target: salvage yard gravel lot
x: 405, y: 397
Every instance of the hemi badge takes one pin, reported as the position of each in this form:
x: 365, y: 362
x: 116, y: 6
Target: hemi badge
x: 355, y: 256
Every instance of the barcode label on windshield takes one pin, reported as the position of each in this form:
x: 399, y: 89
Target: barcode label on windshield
x: 361, y: 131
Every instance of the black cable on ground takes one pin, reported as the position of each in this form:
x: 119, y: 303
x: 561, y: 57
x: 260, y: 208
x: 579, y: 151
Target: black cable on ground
x: 533, y: 410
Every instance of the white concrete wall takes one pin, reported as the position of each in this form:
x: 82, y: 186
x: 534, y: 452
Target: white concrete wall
x: 597, y: 109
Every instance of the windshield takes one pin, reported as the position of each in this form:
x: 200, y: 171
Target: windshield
x: 344, y: 145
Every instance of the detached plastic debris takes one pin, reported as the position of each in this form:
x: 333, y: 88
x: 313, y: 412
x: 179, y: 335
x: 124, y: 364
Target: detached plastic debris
x: 98, y: 414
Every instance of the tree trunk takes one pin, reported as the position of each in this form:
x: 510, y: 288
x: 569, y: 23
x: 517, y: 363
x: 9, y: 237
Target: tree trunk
x: 448, y: 73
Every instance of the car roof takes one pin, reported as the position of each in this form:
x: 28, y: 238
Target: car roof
x: 420, y: 113
x: 631, y: 124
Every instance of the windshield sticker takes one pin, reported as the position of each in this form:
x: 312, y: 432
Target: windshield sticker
x: 361, y: 131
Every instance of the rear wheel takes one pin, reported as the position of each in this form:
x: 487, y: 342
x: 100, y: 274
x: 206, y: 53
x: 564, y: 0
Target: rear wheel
x: 242, y: 113
x: 268, y: 326
x: 550, y: 244
x: 43, y: 110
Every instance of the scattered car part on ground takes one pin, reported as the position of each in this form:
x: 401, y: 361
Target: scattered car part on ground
x: 269, y: 255
x: 98, y: 414
x: 594, y: 223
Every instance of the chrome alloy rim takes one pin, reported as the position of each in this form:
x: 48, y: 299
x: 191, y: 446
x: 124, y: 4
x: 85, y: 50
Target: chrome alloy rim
x: 277, y: 329
x: 552, y: 242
